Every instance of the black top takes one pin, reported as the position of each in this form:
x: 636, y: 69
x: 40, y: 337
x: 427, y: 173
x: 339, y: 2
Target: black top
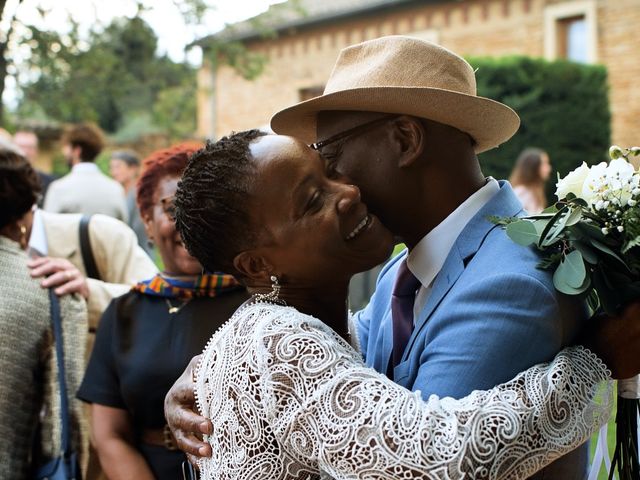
x: 141, y: 350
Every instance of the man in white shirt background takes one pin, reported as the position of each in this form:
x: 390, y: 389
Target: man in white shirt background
x: 85, y: 189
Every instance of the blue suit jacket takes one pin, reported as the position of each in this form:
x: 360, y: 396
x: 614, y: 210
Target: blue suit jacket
x: 491, y: 314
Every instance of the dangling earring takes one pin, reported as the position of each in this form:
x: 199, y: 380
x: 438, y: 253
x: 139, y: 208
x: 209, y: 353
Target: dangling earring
x: 273, y: 295
x: 23, y: 237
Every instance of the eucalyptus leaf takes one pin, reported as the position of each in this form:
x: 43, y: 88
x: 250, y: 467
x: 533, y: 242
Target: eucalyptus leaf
x: 590, y: 231
x: 573, y: 217
x: 570, y: 196
x: 593, y: 301
x: 552, y: 223
x: 540, y: 225
x: 580, y: 202
x: 563, y: 287
x: 539, y: 216
x: 588, y: 253
x: 523, y: 232
x: 603, y: 248
x: 571, y: 275
x: 553, y: 235
x: 574, y: 270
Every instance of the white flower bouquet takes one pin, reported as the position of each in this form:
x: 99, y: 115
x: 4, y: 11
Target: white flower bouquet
x: 590, y: 239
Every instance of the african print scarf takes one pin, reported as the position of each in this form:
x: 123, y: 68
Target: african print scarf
x: 209, y: 285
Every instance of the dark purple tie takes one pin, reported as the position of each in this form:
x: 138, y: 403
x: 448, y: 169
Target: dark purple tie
x: 402, y: 300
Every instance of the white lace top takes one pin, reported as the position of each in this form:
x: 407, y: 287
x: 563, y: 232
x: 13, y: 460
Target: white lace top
x: 289, y: 399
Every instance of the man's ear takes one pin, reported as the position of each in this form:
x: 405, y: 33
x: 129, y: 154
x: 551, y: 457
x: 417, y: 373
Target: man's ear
x: 410, y: 136
x: 253, y: 266
x: 77, y: 152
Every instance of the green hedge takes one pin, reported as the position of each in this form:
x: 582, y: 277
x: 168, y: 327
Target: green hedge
x: 563, y: 106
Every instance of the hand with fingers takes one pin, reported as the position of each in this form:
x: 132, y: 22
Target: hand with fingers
x: 616, y: 340
x: 60, y: 274
x: 185, y: 424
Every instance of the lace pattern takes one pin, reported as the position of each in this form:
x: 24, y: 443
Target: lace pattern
x: 290, y: 399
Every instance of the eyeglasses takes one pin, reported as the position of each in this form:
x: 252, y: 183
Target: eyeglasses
x: 318, y: 146
x: 168, y: 206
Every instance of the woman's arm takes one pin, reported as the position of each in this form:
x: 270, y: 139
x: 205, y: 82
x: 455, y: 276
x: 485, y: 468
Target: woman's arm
x: 112, y: 437
x: 332, y: 413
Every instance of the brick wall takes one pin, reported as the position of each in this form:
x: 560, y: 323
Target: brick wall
x: 474, y: 27
x: 619, y: 50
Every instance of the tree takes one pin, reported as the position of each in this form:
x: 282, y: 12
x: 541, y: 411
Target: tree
x: 4, y: 46
x: 114, y: 70
x: 190, y: 11
x: 118, y: 73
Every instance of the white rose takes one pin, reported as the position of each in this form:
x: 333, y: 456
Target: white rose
x: 573, y: 182
x: 595, y: 182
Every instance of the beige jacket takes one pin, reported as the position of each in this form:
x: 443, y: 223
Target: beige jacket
x: 119, y: 259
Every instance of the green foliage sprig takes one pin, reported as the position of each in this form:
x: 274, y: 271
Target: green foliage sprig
x: 590, y: 237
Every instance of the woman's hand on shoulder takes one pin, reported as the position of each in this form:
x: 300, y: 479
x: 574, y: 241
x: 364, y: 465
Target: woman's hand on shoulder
x: 60, y: 274
x: 185, y: 424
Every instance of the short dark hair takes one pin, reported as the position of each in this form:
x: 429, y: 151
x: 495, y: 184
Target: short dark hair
x: 19, y: 186
x: 88, y: 137
x: 211, y: 201
x: 127, y: 156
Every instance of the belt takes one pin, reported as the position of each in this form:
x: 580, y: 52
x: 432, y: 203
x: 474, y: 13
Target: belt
x: 161, y: 437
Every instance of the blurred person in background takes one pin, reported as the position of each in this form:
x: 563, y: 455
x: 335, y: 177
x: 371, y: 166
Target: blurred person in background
x: 147, y: 337
x: 85, y: 189
x: 27, y: 142
x: 124, y: 168
x: 528, y: 178
x: 29, y: 390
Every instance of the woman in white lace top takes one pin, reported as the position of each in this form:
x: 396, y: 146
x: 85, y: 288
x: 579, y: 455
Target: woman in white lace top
x: 288, y: 396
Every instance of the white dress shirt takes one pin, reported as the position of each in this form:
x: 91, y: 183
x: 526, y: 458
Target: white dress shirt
x: 427, y: 258
x: 38, y: 246
x: 85, y: 167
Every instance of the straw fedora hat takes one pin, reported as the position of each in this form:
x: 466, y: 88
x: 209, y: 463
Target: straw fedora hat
x: 404, y: 75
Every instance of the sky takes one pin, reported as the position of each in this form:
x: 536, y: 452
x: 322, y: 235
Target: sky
x: 164, y: 18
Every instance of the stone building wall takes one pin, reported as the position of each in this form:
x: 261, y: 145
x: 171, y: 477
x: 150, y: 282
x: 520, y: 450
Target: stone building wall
x: 303, y: 59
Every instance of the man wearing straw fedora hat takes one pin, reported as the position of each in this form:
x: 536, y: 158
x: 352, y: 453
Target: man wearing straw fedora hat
x: 464, y: 308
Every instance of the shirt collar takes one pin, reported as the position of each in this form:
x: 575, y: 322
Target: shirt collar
x: 38, y: 238
x: 85, y: 167
x: 428, y: 256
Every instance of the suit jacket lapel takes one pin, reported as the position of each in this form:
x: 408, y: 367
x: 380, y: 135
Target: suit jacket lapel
x: 503, y: 204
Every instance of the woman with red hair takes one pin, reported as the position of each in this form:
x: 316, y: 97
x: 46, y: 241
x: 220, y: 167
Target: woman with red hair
x: 147, y: 337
